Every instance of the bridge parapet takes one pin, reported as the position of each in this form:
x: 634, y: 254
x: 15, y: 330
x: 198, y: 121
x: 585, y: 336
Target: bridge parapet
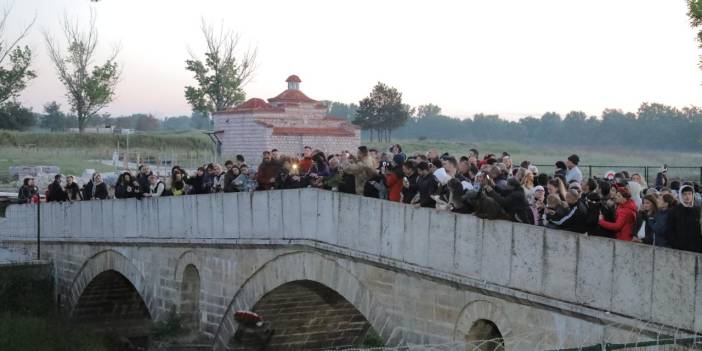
x: 593, y: 277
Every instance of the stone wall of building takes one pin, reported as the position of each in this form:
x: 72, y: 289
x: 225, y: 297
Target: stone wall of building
x: 293, y: 145
x: 242, y: 135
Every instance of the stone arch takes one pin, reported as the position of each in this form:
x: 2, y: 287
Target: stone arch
x: 186, y: 258
x: 109, y: 260
x: 303, y: 266
x: 477, y: 318
x: 486, y: 336
x: 189, y: 306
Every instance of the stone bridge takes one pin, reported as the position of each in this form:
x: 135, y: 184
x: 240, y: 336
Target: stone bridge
x: 325, y: 268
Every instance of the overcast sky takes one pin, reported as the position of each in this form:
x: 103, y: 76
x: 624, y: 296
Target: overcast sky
x: 510, y: 57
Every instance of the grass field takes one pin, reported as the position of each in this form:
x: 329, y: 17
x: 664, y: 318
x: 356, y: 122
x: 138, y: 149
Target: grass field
x: 74, y: 153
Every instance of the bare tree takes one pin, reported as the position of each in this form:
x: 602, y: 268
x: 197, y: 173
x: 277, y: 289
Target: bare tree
x: 14, y: 78
x: 221, y: 77
x: 89, y: 89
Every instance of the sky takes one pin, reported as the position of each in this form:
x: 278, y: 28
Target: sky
x: 511, y: 57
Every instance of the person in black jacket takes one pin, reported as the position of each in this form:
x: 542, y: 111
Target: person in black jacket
x: 143, y: 178
x: 514, y: 201
x: 683, y: 230
x: 27, y: 191
x: 228, y: 182
x: 126, y: 187
x: 576, y: 218
x: 96, y: 189
x: 197, y: 183
x: 72, y: 189
x: 56, y: 192
x: 426, y: 186
x: 409, y: 182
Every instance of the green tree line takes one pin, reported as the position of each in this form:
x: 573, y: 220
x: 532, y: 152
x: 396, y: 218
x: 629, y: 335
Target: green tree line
x: 654, y: 125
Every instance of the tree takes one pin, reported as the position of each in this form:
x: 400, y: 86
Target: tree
x: 53, y: 119
x: 89, y: 90
x: 179, y: 123
x: 199, y: 120
x: 382, y: 111
x: 221, y: 77
x: 694, y: 11
x: 13, y: 79
x: 340, y: 109
x: 428, y: 110
x: 15, y: 117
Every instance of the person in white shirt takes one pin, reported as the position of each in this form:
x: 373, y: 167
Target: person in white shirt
x: 573, y: 172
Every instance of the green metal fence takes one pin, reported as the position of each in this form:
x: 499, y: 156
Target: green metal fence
x: 647, y: 172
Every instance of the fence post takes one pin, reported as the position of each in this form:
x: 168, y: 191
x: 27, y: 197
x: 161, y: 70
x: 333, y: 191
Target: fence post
x: 646, y: 173
x: 589, y: 171
x: 700, y: 175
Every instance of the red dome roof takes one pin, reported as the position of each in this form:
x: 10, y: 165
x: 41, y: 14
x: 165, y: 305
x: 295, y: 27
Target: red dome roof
x: 294, y: 79
x: 254, y: 103
x: 251, y: 105
x: 291, y: 95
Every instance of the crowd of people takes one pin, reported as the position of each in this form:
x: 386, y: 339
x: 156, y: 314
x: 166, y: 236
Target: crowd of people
x: 618, y: 205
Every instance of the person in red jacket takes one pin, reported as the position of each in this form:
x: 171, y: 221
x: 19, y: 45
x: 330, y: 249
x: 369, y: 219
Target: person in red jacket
x: 625, y: 216
x: 394, y: 178
x: 306, y: 163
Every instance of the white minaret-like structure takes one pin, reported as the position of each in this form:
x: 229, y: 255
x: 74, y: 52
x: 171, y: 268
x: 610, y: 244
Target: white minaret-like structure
x: 293, y: 82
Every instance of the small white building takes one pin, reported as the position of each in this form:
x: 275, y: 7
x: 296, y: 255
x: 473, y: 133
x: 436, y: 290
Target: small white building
x: 287, y: 122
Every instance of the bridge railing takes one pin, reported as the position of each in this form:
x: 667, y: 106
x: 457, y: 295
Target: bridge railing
x: 597, y: 277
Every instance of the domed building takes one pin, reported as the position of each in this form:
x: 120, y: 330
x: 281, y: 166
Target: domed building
x: 287, y: 122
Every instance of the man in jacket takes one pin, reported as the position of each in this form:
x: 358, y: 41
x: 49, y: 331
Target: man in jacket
x: 683, y: 231
x: 426, y: 186
x: 409, y: 184
x: 72, y: 190
x: 143, y: 178
x: 514, y: 201
x: 267, y: 171
x: 56, y: 192
x: 576, y: 219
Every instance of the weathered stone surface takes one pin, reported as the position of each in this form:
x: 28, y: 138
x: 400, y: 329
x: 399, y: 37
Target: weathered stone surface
x: 633, y: 283
x: 292, y: 214
x: 497, y: 252
x: 415, y: 247
x: 349, y: 217
x: 527, y: 258
x: 327, y: 209
x: 392, y: 231
x: 469, y: 246
x: 560, y: 264
x: 245, y: 214
x: 442, y: 235
x: 674, y: 276
x: 230, y: 215
x: 595, y: 266
x: 370, y: 217
x: 259, y: 203
x: 216, y: 215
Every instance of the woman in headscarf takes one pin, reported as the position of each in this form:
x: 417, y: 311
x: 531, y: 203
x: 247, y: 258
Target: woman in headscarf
x: 95, y: 189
